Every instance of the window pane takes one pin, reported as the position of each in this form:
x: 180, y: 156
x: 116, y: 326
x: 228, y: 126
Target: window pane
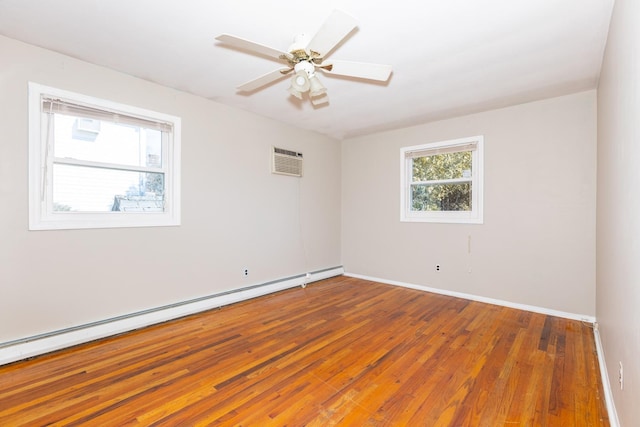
x: 441, y: 197
x: 107, y: 142
x: 442, y: 166
x: 85, y: 189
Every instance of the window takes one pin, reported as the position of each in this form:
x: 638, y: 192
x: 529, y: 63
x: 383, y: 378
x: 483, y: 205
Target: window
x: 97, y: 164
x: 442, y: 181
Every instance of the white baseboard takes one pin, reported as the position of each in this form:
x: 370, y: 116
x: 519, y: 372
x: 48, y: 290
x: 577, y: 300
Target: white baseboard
x: 606, y: 385
x: 32, y: 346
x: 535, y: 309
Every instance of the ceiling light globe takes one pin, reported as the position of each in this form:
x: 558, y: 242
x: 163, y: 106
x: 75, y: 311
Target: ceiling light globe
x: 316, y: 88
x: 293, y: 91
x: 300, y: 81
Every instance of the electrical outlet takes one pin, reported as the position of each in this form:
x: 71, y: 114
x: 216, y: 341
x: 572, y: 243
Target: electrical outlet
x: 621, y: 377
x: 245, y: 272
x: 438, y: 268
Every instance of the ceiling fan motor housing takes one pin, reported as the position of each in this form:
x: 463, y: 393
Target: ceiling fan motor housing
x: 305, y: 66
x: 300, y: 42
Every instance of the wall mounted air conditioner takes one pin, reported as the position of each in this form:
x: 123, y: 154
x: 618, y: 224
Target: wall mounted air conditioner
x: 286, y: 162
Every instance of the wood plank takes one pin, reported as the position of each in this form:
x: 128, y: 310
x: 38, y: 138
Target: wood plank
x: 343, y: 351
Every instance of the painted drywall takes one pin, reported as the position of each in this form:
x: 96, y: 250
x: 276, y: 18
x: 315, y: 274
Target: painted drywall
x: 235, y: 213
x: 537, y: 244
x: 618, y: 213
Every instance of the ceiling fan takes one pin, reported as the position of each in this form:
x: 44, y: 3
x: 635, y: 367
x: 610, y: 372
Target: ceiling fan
x: 307, y: 55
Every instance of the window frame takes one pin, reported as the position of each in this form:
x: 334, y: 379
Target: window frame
x: 41, y: 160
x: 475, y: 216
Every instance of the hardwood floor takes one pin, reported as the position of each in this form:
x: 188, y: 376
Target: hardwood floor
x: 340, y: 352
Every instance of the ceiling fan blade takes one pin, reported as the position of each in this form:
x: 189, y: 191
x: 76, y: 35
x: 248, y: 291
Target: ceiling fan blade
x: 251, y: 47
x: 337, y: 26
x: 361, y: 70
x: 264, y: 80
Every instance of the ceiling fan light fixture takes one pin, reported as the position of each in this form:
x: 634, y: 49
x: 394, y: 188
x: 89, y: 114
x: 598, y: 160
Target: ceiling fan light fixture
x: 321, y: 99
x: 300, y: 81
x: 315, y: 87
x: 293, y: 91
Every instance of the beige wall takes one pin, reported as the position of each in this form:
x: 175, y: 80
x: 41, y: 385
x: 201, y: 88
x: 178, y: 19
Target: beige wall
x: 618, y: 235
x: 235, y: 213
x: 537, y: 243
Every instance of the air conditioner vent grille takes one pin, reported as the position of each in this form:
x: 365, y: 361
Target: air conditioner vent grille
x: 287, y: 152
x: 286, y: 162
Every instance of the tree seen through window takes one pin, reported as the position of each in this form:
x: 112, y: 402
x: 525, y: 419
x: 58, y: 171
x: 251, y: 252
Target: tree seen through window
x: 442, y: 182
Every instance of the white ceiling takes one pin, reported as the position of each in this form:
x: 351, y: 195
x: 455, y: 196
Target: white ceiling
x: 449, y: 57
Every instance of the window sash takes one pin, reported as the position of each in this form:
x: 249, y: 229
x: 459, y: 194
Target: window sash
x: 50, y: 160
x: 442, y: 181
x: 101, y: 188
x: 425, y: 199
x: 471, y: 179
x: 101, y: 165
x: 48, y: 120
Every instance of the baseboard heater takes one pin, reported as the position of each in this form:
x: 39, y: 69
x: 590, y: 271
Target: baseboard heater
x: 24, y: 348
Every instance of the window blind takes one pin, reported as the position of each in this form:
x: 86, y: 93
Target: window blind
x: 60, y: 106
x: 468, y: 146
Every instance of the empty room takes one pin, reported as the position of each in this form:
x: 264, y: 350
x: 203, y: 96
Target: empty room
x: 315, y: 214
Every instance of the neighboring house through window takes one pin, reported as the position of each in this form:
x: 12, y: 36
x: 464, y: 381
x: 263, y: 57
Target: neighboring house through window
x: 97, y: 164
x: 442, y: 181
